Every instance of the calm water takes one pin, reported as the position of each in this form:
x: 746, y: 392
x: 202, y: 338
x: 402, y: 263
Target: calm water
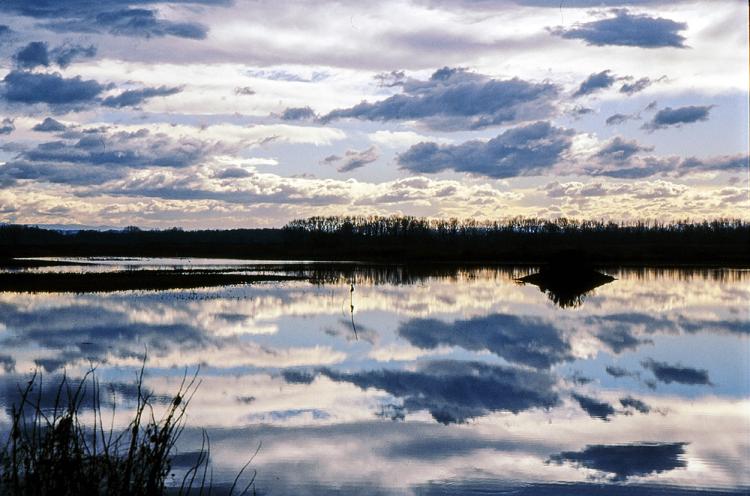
x: 460, y: 382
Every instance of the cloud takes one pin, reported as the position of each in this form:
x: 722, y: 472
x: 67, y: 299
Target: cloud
x: 233, y: 173
x: 244, y: 90
x: 519, y: 151
x: 638, y: 85
x: 457, y: 99
x: 298, y: 114
x: 64, y: 55
x: 455, y: 391
x: 627, y: 460
x: 624, y: 159
x: 37, y: 53
x: 96, y: 156
x: 668, y: 117
x: 144, y: 23
x: 595, y: 82
x: 668, y: 374
x: 594, y: 407
x: 108, y: 16
x: 636, y: 404
x: 522, y: 340
x: 620, y: 149
x: 4, y: 30
x: 620, y: 339
x: 49, y: 125
x: 132, y: 98
x: 353, y: 159
x: 625, y: 29
x: 616, y: 119
x: 52, y: 89
x: 32, y: 55
x: 619, y: 372
x: 7, y: 126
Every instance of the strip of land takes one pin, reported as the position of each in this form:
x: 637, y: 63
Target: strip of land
x: 127, y: 280
x: 408, y: 240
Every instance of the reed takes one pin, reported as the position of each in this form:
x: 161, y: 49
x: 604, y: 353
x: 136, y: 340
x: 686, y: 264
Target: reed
x: 50, y: 450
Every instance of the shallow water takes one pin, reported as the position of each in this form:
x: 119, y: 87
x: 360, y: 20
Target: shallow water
x: 453, y: 382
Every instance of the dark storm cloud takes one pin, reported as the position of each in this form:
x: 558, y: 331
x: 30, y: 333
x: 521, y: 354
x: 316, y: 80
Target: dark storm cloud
x: 49, y: 125
x: 298, y: 114
x: 7, y: 126
x: 595, y: 408
x: 627, y: 460
x: 523, y: 340
x: 625, y: 29
x: 455, y: 391
x: 32, y: 55
x: 524, y: 150
x: 53, y: 89
x: 668, y: 117
x: 595, y: 82
x: 457, y: 99
x: 636, y: 404
x: 680, y: 374
x: 352, y: 159
x: 132, y: 98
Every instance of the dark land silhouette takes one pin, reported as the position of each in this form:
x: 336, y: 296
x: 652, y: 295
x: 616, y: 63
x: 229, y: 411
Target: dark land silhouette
x: 407, y: 240
x: 567, y: 278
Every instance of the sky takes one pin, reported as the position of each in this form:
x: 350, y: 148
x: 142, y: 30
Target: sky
x: 224, y: 114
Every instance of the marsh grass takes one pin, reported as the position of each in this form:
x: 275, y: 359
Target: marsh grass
x: 50, y: 450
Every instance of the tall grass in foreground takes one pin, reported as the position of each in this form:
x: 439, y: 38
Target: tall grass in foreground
x: 50, y: 451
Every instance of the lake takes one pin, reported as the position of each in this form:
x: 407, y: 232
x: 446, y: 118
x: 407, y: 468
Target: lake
x: 391, y: 380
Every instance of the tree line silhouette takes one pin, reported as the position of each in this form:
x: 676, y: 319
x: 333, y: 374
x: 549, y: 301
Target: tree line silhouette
x: 408, y: 239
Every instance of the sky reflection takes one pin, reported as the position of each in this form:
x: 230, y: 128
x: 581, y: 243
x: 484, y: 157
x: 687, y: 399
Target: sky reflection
x: 468, y: 379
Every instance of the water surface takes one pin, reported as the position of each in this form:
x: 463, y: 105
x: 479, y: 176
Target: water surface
x: 388, y: 380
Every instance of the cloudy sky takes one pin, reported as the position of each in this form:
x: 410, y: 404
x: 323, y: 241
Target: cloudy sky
x: 220, y: 113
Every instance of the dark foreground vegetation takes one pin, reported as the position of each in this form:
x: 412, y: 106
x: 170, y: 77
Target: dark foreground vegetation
x: 408, y: 239
x: 49, y: 450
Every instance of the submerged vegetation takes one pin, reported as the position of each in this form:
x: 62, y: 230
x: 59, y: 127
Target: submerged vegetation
x: 516, y: 240
x: 51, y: 450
